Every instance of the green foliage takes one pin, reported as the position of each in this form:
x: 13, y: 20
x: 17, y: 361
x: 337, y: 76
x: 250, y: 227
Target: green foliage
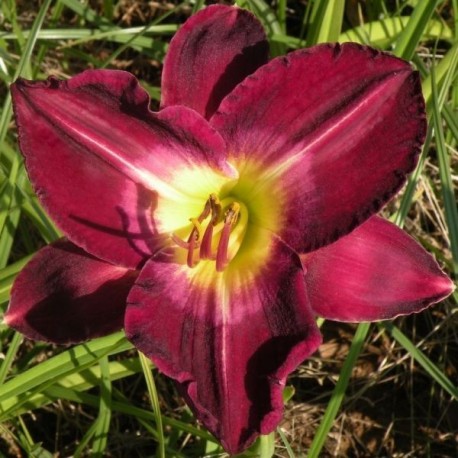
x: 103, y: 377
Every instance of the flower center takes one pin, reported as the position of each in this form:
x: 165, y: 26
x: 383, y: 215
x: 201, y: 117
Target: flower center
x: 217, y: 233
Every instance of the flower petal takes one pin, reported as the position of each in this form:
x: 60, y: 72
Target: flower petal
x: 99, y: 159
x: 65, y: 295
x: 377, y: 272
x: 212, y: 52
x: 230, y: 339
x: 336, y: 129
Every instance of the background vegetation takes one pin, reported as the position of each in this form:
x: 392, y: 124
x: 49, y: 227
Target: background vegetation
x: 387, y: 389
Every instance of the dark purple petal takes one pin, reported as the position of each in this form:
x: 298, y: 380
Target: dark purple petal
x: 377, y: 272
x: 65, y: 295
x: 334, y: 129
x: 99, y: 160
x: 230, y: 339
x: 212, y: 52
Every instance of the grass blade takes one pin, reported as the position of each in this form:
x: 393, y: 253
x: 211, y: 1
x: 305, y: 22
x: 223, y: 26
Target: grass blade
x: 76, y: 382
x: 326, y: 21
x: 441, y: 70
x: 72, y: 360
x: 10, y: 355
x: 7, y: 276
x: 151, y: 385
x: 103, y: 420
x: 339, y: 391
x: 23, y: 61
x: 418, y: 22
x: 451, y: 211
x: 433, y: 371
x: 287, y: 445
x: 384, y: 32
x: 9, y: 217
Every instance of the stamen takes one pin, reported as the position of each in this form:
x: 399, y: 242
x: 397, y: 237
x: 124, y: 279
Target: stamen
x: 179, y: 242
x: 202, y: 234
x: 206, y: 245
x: 230, y: 218
x: 197, y: 228
x: 195, y: 235
x: 215, y: 205
x: 206, y: 210
x: 190, y: 258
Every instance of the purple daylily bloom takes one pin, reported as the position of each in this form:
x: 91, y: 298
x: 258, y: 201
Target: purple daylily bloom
x: 229, y: 219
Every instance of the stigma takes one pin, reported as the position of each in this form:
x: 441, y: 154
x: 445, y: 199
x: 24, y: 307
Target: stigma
x: 216, y: 234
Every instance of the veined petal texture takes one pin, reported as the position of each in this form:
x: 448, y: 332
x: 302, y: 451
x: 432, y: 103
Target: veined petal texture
x: 336, y: 129
x: 64, y: 295
x: 229, y: 339
x: 99, y: 159
x: 376, y: 272
x: 211, y: 53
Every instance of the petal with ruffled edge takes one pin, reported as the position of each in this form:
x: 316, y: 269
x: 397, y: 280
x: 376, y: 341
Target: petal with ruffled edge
x: 99, y: 160
x: 376, y: 272
x: 212, y: 52
x: 65, y: 295
x: 331, y: 130
x: 230, y: 339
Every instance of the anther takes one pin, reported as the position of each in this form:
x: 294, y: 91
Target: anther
x: 197, y: 228
x: 206, y: 210
x: 232, y: 213
x: 215, y: 207
x: 195, y: 236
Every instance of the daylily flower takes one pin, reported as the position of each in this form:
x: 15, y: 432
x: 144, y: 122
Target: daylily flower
x: 229, y: 219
